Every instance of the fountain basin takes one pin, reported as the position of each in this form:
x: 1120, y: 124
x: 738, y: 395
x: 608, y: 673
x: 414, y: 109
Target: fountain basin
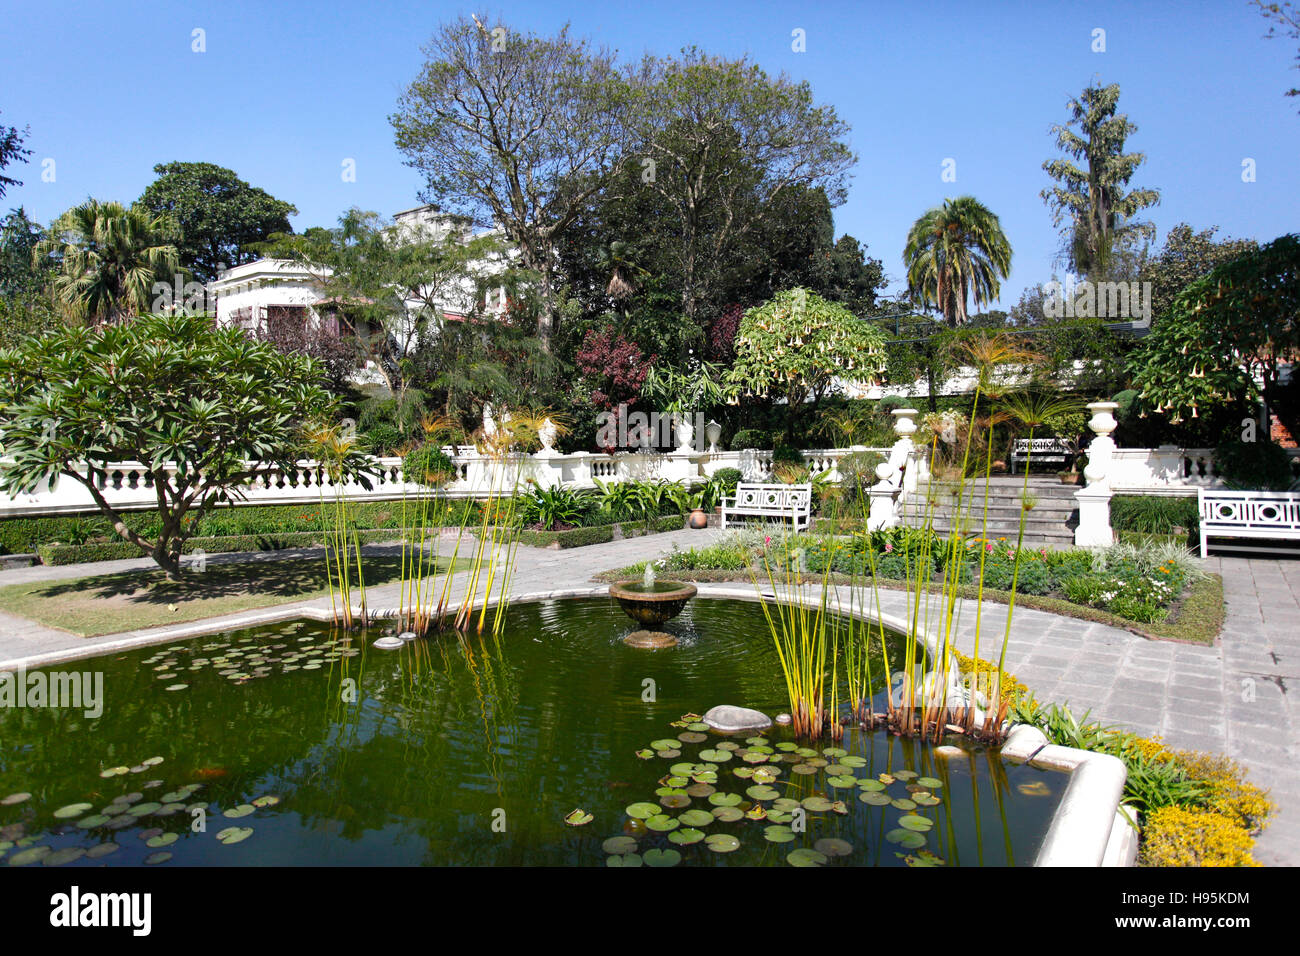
x: 652, y: 605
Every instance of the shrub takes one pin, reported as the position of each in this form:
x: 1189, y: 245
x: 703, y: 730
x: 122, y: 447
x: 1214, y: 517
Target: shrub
x: 382, y: 439
x: 1153, y: 514
x: 783, y: 454
x: 1229, y: 794
x: 427, y: 465
x: 726, y: 479
x: 1253, y: 465
x: 1177, y: 836
x: 751, y: 438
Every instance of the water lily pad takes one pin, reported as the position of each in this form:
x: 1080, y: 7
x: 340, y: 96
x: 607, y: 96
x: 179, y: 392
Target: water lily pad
x: 787, y: 746
x: 855, y: 762
x: 646, y: 754
x: 779, y: 816
x: 668, y: 754
x: 14, y: 798
x: 806, y: 752
x: 805, y: 857
x: 149, y: 834
x: 728, y: 745
x: 685, y: 769
x: 118, y: 822
x: 619, y: 845
x: 686, y: 836
x: 834, y: 752
x: 816, y: 762
x: 72, y: 810
x: 930, y: 783
x: 168, y: 687
x: 715, y: 756
x: 917, y: 823
x: 269, y: 800
x: 697, y: 818
x: 662, y: 823
x: 722, y: 842
x: 925, y: 799
x: 232, y: 835
x: 93, y: 821
x: 903, y: 804
x: 30, y: 855
x: 728, y: 814
x: 705, y: 776
x: 724, y: 799
x: 101, y: 849
x: 756, y: 741
x: 870, y: 784
x: 692, y: 737
x: 905, y: 838
x: 701, y: 789
x: 816, y: 804
x: 874, y: 798
x: 152, y: 761
x: 675, y: 800
x: 658, y: 858
x: 62, y: 856
x: 753, y: 756
x: 643, y: 811
x: 837, y: 770
x: 744, y: 773
x: 843, y: 781
x: 243, y: 810
x: 697, y: 725
x: 833, y: 846
x: 666, y: 743
x: 778, y: 834
x: 626, y: 859
x: 141, y: 809
x: 905, y: 774
x: 161, y: 840
x: 762, y: 792
x: 804, y: 769
x: 162, y: 856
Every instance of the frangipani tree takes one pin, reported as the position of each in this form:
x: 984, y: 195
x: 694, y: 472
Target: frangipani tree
x: 797, y: 347
x: 205, y: 410
x: 1226, y: 336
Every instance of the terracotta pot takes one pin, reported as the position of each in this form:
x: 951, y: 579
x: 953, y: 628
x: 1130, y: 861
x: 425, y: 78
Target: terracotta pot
x: 699, y: 519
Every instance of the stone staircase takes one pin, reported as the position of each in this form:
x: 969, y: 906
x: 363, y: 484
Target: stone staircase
x: 1049, y: 523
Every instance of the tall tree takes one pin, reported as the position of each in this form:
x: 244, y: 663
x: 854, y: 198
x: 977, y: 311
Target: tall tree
x: 12, y: 150
x: 1092, y: 202
x: 219, y: 216
x: 1286, y: 16
x: 956, y: 253
x: 719, y: 141
x: 1185, y: 257
x: 514, y: 129
x: 108, y: 259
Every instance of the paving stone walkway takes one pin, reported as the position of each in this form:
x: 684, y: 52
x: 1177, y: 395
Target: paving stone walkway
x: 1237, y: 697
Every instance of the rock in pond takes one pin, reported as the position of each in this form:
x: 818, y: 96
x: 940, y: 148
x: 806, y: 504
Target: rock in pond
x: 732, y: 720
x: 388, y: 643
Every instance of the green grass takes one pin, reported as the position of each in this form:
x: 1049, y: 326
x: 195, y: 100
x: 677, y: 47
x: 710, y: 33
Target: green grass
x: 110, y: 603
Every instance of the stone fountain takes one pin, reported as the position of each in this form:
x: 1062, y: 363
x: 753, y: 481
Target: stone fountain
x: 650, y: 603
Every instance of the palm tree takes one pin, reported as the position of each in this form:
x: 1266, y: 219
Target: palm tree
x: 108, y: 258
x: 1093, y: 200
x: 956, y: 252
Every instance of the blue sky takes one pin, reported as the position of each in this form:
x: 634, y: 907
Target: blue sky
x: 286, y: 92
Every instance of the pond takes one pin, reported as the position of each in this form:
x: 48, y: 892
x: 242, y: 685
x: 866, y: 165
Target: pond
x: 298, y: 744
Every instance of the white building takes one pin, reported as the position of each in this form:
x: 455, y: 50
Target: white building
x: 271, y: 295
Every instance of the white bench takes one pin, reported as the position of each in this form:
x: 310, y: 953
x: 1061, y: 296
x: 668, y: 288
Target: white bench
x: 1249, y: 514
x: 1038, y: 449
x: 770, y: 501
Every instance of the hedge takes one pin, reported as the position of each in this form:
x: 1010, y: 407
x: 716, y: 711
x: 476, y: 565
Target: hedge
x: 55, y: 554
x: 600, y: 534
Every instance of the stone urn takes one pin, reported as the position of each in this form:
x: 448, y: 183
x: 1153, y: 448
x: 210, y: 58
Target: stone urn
x: 685, y: 432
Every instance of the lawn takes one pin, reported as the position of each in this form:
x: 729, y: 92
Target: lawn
x: 111, y: 603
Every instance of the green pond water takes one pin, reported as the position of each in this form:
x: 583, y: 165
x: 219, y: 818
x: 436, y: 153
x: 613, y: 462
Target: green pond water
x: 296, y: 744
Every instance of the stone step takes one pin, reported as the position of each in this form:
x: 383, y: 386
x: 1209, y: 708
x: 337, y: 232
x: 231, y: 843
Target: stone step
x: 1040, y: 511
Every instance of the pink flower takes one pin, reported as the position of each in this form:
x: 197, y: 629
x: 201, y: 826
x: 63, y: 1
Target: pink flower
x: 888, y: 546
x: 989, y: 546
x: 767, y: 540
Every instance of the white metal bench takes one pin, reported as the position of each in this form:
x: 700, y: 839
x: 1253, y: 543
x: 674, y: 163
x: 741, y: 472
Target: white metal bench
x: 1038, y: 449
x: 770, y: 501
x: 1249, y: 514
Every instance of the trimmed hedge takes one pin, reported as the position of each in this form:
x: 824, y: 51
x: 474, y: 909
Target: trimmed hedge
x: 600, y: 534
x: 1154, y: 514
x: 55, y: 554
